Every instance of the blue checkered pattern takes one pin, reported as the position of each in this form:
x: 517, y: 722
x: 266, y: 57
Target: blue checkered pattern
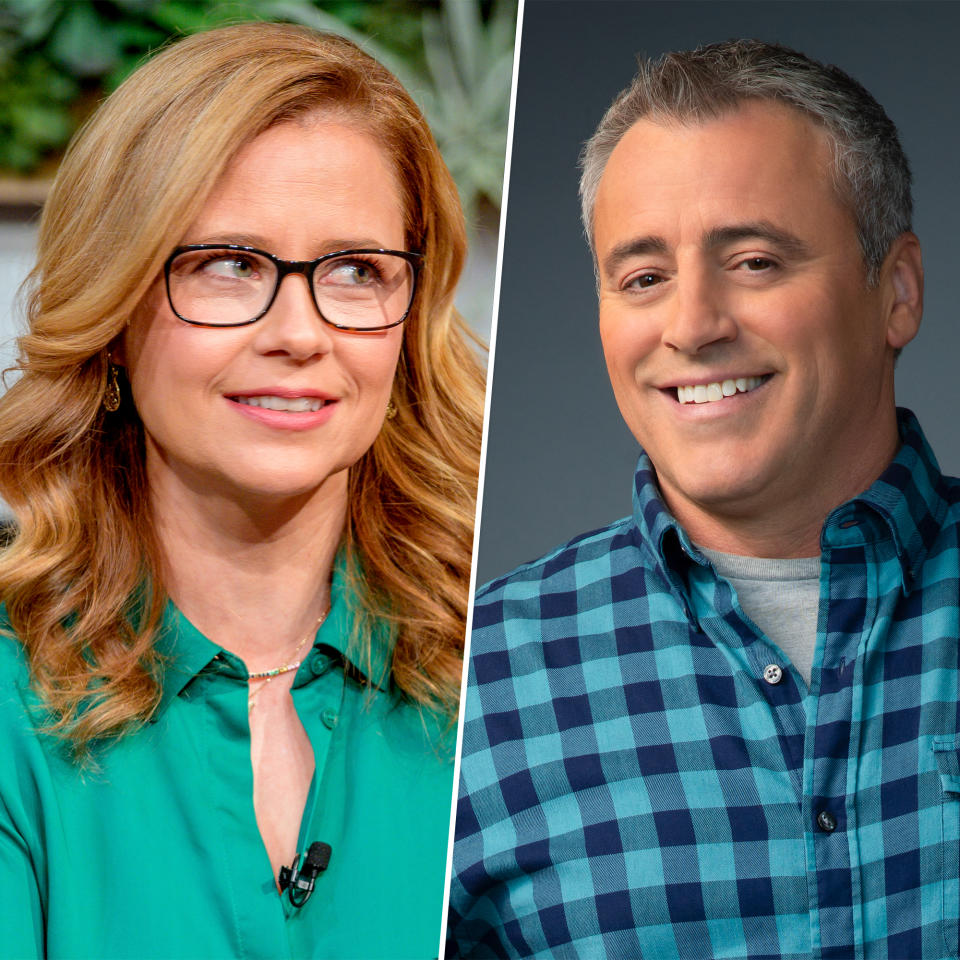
x: 632, y: 787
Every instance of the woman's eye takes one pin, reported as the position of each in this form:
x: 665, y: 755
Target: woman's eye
x: 233, y: 268
x: 352, y: 272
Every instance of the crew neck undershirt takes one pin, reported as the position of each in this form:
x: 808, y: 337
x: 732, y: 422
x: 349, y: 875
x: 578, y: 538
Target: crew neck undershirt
x: 780, y: 596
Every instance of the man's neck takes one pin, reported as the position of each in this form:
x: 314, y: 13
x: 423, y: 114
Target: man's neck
x: 757, y: 539
x: 772, y: 524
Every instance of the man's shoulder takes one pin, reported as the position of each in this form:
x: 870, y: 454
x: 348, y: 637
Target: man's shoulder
x: 951, y: 493
x: 581, y: 581
x: 591, y: 554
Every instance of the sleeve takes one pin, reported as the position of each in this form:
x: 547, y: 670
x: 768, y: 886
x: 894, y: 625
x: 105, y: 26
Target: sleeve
x: 474, y: 925
x: 22, y: 926
x: 22, y: 933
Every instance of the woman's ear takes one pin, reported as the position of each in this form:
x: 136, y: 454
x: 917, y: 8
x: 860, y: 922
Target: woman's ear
x: 117, y: 351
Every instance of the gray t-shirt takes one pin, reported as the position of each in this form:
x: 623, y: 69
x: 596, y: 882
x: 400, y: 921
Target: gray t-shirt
x: 780, y: 596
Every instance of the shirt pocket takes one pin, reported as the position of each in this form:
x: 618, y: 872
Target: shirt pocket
x: 946, y: 751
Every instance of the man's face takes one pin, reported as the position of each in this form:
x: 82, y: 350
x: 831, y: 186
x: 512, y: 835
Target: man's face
x: 747, y: 353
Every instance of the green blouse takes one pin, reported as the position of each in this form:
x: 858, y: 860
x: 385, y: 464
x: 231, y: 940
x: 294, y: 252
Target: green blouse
x: 156, y: 853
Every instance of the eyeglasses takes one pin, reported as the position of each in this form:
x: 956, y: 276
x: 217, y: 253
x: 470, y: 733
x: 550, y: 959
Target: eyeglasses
x: 225, y: 285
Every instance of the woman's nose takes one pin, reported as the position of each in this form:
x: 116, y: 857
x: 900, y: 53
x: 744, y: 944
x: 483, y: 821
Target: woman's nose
x: 293, y: 324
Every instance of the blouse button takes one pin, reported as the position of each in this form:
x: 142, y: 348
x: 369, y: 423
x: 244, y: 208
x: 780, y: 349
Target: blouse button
x: 320, y: 665
x: 826, y: 821
x: 329, y: 718
x: 772, y: 674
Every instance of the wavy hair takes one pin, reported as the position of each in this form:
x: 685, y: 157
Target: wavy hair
x: 82, y: 580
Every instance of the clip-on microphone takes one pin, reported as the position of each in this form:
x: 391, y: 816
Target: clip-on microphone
x: 301, y: 881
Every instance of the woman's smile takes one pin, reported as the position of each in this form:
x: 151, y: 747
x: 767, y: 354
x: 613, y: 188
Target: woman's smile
x: 295, y: 412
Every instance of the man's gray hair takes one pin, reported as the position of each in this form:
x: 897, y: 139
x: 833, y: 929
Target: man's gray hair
x: 871, y: 172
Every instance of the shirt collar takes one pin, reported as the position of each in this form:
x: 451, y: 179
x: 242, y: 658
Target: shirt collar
x: 909, y: 497
x: 660, y: 534
x: 186, y: 652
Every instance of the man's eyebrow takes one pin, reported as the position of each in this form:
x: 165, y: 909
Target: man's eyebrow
x: 760, y: 230
x: 634, y: 247
x: 788, y: 243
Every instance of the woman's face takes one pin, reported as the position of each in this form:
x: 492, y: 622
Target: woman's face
x: 299, y: 191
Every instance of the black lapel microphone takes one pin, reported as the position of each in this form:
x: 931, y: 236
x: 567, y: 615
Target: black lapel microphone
x: 300, y: 880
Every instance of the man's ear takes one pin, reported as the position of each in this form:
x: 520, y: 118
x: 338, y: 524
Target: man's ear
x: 902, y: 276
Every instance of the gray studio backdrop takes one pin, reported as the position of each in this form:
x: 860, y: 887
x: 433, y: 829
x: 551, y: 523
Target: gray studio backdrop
x: 560, y: 461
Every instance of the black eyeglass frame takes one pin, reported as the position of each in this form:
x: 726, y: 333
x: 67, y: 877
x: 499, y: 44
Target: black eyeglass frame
x: 286, y: 267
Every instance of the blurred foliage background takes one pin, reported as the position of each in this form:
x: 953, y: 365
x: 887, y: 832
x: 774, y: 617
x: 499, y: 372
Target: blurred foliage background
x: 60, y: 58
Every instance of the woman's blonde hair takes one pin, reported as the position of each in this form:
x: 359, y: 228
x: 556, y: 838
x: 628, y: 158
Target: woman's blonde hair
x: 82, y: 579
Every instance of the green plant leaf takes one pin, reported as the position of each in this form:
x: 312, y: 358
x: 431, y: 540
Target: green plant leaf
x: 139, y: 36
x: 17, y: 156
x: 40, y: 125
x: 179, y: 16
x: 136, y: 8
x: 84, y: 43
x: 34, y: 18
x: 463, y: 24
x: 470, y: 68
x: 306, y: 14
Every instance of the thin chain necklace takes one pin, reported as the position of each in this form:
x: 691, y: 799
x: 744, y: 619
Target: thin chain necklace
x: 267, y: 675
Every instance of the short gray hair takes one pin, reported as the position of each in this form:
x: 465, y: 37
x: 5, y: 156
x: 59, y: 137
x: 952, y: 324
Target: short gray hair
x: 871, y: 172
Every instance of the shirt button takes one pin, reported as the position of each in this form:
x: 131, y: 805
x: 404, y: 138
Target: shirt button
x: 320, y: 665
x: 329, y: 718
x: 772, y: 674
x: 826, y: 821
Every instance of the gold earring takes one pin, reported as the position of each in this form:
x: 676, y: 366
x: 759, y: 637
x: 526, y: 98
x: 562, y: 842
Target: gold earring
x: 111, y: 396
x: 391, y: 409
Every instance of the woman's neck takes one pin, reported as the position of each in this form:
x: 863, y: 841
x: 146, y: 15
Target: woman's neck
x: 254, y: 576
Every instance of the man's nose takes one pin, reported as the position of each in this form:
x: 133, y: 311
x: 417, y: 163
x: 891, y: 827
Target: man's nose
x: 293, y: 324
x: 699, y: 314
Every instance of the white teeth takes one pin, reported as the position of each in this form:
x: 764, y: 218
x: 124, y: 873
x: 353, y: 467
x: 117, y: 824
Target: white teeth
x: 288, y: 404
x: 711, y: 392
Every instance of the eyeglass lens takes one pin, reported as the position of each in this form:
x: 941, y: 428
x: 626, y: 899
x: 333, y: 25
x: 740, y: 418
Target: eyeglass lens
x: 360, y: 291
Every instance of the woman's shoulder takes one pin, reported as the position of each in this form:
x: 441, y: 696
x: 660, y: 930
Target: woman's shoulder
x: 13, y: 657
x: 16, y: 696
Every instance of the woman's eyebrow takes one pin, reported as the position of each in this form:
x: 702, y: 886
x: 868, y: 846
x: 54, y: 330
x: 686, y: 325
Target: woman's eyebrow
x: 327, y: 245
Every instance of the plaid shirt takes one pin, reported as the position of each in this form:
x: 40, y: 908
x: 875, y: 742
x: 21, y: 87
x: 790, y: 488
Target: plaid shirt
x: 645, y: 775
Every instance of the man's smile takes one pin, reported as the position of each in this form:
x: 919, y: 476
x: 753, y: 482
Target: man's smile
x: 718, y: 389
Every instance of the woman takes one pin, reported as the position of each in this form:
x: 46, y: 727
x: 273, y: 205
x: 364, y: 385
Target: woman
x: 242, y: 456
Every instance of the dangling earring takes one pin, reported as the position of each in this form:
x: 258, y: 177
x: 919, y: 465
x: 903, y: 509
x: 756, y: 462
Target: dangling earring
x: 111, y: 396
x: 391, y: 409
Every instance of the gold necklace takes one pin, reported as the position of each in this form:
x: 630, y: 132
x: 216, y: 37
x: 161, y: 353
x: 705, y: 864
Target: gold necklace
x: 267, y: 675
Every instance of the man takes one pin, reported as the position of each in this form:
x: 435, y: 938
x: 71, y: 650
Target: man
x: 727, y: 725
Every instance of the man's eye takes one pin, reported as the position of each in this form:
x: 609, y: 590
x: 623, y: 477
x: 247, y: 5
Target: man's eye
x: 755, y: 264
x: 643, y: 280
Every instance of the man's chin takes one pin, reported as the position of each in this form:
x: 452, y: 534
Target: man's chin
x: 726, y: 491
